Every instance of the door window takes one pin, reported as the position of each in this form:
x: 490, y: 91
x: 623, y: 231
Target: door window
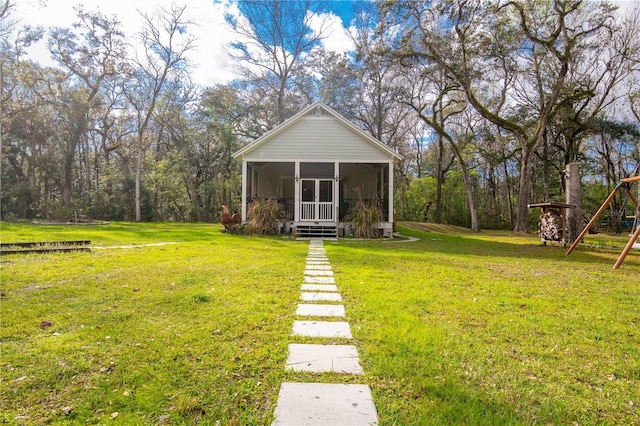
x: 308, y: 190
x: 326, y: 191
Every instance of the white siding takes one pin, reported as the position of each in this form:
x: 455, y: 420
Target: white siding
x: 317, y: 138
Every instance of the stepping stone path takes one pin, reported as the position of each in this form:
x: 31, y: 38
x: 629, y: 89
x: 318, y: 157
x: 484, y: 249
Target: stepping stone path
x: 323, y: 403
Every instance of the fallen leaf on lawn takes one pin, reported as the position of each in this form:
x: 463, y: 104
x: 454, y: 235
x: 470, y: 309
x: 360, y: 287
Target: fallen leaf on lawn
x: 45, y: 324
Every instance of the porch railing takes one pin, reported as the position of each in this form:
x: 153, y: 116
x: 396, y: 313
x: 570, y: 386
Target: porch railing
x: 326, y: 212
x: 308, y: 210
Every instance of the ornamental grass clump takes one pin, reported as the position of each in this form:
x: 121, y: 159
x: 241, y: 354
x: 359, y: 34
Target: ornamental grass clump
x: 365, y: 216
x: 263, y: 216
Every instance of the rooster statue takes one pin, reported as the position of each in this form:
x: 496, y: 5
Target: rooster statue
x: 229, y: 221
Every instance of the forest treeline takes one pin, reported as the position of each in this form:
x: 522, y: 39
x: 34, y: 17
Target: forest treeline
x: 493, y: 105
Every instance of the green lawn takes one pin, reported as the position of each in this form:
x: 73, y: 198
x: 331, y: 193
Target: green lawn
x: 493, y: 329
x: 457, y: 328
x: 165, y: 334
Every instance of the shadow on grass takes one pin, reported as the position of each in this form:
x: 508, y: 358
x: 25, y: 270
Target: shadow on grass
x: 447, y: 403
x: 488, y: 245
x: 125, y: 233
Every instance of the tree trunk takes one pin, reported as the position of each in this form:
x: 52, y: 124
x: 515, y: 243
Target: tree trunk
x: 574, y: 196
x: 138, y: 176
x: 437, y: 217
x: 195, y: 198
x: 475, y: 226
x: 67, y: 182
x: 545, y: 170
x: 522, y: 212
x: 509, y: 201
x: 468, y: 187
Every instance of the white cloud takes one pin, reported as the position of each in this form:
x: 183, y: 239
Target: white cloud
x: 336, y: 36
x: 208, y: 57
x: 625, y: 6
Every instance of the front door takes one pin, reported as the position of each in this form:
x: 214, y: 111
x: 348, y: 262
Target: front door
x: 316, y: 199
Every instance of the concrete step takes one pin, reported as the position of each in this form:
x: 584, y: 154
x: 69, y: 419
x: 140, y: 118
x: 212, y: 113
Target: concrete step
x: 316, y: 231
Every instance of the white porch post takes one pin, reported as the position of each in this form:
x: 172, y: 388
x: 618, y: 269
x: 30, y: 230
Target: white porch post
x: 244, y: 190
x: 391, y: 191
x: 296, y: 192
x: 336, y: 191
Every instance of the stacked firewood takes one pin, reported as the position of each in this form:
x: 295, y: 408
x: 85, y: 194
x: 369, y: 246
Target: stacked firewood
x: 551, y: 225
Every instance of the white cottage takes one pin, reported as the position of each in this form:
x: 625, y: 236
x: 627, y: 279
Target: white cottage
x: 317, y: 164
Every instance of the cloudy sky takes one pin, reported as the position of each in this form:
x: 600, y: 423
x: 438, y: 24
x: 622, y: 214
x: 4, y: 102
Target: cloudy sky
x: 209, y: 57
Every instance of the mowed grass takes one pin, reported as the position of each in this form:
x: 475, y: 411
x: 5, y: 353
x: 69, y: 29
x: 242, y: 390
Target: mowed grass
x: 456, y: 328
x: 490, y: 329
x: 190, y: 332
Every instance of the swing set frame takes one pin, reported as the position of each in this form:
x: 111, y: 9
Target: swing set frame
x: 622, y: 184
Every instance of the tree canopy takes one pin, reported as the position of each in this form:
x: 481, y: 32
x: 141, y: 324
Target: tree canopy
x: 488, y: 102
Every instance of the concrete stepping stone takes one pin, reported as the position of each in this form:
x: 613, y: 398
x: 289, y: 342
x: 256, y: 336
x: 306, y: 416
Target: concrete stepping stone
x: 318, y: 262
x: 322, y: 329
x: 308, y: 296
x: 316, y: 310
x: 318, y: 280
x: 324, y: 358
x: 325, y: 404
x: 314, y: 267
x: 319, y: 287
x: 318, y: 273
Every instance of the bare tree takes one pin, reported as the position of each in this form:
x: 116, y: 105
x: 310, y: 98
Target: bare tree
x: 273, y: 38
x: 163, y: 58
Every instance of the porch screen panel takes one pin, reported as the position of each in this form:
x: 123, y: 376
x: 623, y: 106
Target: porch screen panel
x: 308, y: 200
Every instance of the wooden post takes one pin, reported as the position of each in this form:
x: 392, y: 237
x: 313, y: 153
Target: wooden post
x: 245, y: 170
x: 296, y: 192
x: 594, y: 218
x: 626, y: 250
x: 573, y: 190
x: 336, y: 192
x: 636, y: 234
x: 391, y: 191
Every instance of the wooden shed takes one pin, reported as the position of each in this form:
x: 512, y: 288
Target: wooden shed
x: 317, y: 165
x: 553, y: 221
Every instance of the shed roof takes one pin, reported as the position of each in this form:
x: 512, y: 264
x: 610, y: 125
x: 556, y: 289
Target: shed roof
x: 321, y: 110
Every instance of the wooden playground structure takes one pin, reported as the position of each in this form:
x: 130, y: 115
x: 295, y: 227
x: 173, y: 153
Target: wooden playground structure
x: 622, y: 184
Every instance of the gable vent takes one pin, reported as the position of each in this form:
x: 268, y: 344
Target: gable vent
x: 318, y: 112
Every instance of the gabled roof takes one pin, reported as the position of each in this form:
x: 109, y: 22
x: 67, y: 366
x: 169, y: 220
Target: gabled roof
x: 326, y: 111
